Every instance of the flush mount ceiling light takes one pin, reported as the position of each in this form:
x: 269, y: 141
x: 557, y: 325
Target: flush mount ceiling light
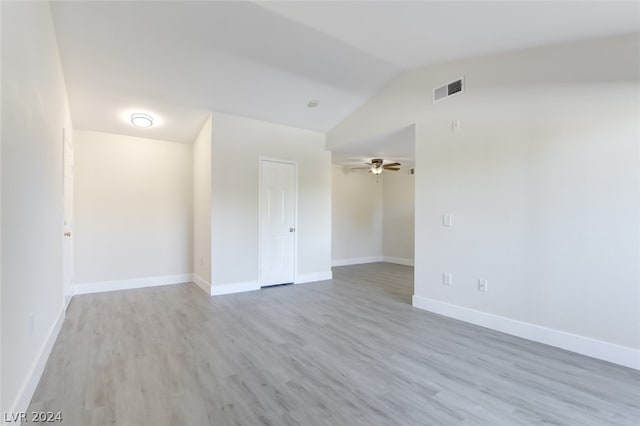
x: 313, y: 103
x: 141, y: 120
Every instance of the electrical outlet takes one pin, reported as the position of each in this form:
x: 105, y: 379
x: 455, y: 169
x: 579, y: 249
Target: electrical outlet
x: 447, y: 278
x: 446, y: 220
x: 455, y: 126
x: 483, y: 285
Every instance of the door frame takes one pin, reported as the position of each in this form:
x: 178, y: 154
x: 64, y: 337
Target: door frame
x: 67, y: 287
x: 261, y: 160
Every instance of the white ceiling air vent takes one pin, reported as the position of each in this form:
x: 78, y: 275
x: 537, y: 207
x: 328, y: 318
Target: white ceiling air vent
x: 448, y: 90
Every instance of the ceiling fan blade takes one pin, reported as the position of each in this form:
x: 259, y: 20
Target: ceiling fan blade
x: 393, y: 164
x: 360, y: 168
x: 395, y: 169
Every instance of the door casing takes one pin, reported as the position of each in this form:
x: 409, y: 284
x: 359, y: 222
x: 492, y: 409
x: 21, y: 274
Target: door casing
x: 67, y: 243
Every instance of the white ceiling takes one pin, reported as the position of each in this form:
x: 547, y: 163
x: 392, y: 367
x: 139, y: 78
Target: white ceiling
x: 266, y: 60
x: 396, y: 145
x: 412, y: 34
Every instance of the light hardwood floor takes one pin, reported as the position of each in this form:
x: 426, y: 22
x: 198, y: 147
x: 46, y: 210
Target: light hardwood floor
x: 351, y: 351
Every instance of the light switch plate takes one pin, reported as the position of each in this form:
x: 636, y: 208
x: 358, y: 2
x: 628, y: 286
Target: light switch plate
x: 447, y: 278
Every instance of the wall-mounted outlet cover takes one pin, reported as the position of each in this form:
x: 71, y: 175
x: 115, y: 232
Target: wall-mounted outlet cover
x: 483, y: 285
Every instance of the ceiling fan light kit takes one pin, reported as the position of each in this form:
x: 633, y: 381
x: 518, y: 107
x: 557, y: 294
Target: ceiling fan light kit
x: 377, y: 166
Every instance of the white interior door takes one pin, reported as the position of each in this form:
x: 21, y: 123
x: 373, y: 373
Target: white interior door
x: 277, y: 222
x: 67, y: 250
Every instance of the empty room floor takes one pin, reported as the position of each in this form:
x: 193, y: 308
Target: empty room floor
x: 350, y: 351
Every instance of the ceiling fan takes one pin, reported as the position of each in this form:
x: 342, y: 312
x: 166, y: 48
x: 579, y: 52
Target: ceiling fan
x: 377, y: 166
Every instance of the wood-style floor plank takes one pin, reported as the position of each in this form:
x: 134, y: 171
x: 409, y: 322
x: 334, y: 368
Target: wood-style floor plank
x: 350, y: 351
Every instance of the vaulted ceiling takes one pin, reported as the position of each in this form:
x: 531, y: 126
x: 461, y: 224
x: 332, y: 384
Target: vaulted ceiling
x: 267, y: 60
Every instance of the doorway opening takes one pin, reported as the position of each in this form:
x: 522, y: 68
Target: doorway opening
x: 373, y: 210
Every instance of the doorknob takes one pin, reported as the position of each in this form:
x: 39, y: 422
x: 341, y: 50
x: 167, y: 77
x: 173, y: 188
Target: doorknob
x: 67, y: 234
x: 292, y: 229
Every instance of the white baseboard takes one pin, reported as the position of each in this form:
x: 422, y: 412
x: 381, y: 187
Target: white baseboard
x: 102, y: 286
x: 67, y: 296
x: 219, y: 290
x: 356, y: 260
x: 314, y: 277
x: 202, y: 283
x: 398, y: 260
x: 222, y: 289
x: 28, y: 388
x: 606, y: 351
x: 371, y: 259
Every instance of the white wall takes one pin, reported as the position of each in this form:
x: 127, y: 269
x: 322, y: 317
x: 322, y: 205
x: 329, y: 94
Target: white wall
x: 356, y: 210
x: 2, y: 409
x: 34, y: 112
x: 543, y: 185
x: 133, y: 208
x: 398, y: 208
x: 202, y: 205
x: 372, y: 222
x: 237, y: 144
